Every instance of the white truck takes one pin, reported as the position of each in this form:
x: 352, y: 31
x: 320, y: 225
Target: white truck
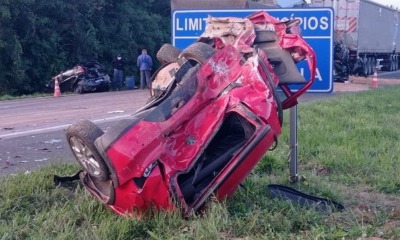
x: 369, y: 30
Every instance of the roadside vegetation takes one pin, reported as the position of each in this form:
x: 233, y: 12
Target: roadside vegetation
x: 349, y: 152
x: 9, y: 97
x: 39, y: 39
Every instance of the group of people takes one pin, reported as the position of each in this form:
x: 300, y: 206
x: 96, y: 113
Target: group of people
x: 144, y: 63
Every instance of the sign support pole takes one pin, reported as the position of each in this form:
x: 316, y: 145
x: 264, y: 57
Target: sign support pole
x: 293, y: 146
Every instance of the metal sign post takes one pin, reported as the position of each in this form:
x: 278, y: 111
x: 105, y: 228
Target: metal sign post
x: 293, y: 146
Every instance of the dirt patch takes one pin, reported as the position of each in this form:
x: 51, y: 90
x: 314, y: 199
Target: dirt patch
x: 372, y: 200
x: 356, y: 84
x: 366, y: 207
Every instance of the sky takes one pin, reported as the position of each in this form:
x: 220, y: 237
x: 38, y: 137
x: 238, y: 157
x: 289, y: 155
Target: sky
x: 395, y: 3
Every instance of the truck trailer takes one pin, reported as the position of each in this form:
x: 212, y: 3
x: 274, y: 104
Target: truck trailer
x: 369, y: 31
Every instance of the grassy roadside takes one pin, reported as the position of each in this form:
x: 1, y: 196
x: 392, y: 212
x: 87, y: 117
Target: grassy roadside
x: 34, y: 95
x: 348, y: 151
x: 9, y: 97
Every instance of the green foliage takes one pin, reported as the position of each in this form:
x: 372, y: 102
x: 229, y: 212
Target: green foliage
x: 39, y: 39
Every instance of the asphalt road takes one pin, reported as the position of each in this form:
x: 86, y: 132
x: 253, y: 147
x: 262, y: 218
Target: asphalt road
x: 32, y: 131
x: 390, y: 75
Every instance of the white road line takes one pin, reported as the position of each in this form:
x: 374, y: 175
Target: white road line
x: 58, y: 127
x: 48, y: 129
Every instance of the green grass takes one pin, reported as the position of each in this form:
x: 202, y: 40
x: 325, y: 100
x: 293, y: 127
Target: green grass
x: 10, y: 97
x: 348, y: 151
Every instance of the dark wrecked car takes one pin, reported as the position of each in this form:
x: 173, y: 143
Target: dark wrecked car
x: 218, y: 115
x: 88, y: 77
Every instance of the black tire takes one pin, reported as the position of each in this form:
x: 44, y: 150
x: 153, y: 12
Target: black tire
x: 78, y: 89
x: 81, y: 137
x: 199, y: 52
x: 372, y: 65
x: 385, y: 64
x: 368, y: 66
x: 167, y: 54
x: 365, y: 66
x: 391, y: 64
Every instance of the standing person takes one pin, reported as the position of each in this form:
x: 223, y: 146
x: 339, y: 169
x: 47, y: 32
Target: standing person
x: 145, y: 63
x: 118, y: 65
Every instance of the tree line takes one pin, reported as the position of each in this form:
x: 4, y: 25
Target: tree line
x: 41, y: 38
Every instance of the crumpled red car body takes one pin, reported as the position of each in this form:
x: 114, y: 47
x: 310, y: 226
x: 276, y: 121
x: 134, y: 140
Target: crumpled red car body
x: 205, y: 136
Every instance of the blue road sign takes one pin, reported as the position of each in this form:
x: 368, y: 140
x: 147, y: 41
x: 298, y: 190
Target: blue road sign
x: 316, y: 25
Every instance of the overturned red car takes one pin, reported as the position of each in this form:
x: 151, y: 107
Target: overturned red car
x: 204, y: 133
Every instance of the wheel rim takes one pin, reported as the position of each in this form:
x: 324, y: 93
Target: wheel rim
x: 85, y: 156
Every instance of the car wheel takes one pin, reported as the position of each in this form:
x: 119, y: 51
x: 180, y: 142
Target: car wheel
x: 167, y: 54
x: 78, y: 89
x: 199, y: 52
x: 81, y: 137
x: 372, y: 65
x: 365, y: 66
x: 392, y: 63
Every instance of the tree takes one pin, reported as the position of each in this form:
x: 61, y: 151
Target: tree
x: 40, y: 38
